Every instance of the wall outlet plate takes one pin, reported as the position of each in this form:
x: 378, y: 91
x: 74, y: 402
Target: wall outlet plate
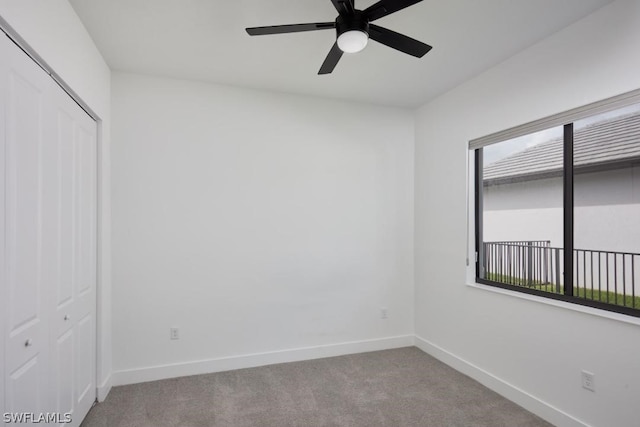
x: 174, y: 333
x: 588, y: 381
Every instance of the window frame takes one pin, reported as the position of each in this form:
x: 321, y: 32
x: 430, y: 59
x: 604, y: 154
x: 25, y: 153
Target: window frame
x: 566, y: 120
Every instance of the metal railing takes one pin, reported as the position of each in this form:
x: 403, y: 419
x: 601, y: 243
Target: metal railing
x: 604, y: 276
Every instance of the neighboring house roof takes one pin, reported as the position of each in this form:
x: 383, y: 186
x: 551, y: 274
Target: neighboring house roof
x: 603, y: 145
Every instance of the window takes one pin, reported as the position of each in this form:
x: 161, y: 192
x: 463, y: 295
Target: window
x: 557, y: 208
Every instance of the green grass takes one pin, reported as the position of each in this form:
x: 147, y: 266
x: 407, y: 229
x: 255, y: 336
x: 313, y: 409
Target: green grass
x: 595, y: 295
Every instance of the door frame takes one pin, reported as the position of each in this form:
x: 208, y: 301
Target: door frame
x: 103, y: 379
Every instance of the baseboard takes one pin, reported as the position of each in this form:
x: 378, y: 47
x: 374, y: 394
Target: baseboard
x: 531, y: 403
x: 153, y: 373
x: 104, y: 389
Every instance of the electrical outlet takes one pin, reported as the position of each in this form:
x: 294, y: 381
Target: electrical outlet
x: 384, y: 313
x: 588, y: 381
x: 174, y: 333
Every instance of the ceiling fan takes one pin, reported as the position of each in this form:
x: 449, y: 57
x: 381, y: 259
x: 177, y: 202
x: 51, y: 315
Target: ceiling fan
x: 354, y: 29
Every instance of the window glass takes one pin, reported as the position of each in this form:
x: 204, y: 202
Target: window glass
x: 522, y: 211
x: 607, y: 207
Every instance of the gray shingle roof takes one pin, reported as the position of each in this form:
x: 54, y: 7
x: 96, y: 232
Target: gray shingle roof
x: 606, y: 144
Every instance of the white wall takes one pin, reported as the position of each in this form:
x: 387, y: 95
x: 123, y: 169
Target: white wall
x: 256, y: 223
x: 528, y: 350
x: 54, y: 31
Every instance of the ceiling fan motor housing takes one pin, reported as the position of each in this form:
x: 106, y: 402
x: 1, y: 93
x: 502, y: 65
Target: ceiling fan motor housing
x: 355, y: 22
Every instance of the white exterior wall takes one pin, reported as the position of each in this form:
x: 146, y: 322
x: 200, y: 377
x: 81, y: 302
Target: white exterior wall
x: 267, y: 227
x: 529, y: 210
x: 529, y: 349
x: 606, y: 215
x: 607, y: 212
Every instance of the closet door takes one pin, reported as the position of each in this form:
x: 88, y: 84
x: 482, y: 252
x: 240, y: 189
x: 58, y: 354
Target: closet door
x: 48, y: 290
x: 26, y: 304
x: 70, y: 197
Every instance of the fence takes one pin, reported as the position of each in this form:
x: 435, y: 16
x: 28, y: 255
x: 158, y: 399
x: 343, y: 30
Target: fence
x: 606, y: 276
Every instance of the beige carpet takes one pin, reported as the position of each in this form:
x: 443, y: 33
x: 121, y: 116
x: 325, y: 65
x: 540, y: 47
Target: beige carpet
x: 403, y: 387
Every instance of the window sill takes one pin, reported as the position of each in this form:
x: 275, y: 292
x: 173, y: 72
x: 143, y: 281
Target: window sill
x: 557, y: 303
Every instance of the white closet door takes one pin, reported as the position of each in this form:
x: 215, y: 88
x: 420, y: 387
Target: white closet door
x: 49, y: 274
x: 71, y: 198
x: 26, y: 307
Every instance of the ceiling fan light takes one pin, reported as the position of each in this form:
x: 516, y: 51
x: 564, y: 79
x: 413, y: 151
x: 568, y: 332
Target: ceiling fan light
x: 352, y: 41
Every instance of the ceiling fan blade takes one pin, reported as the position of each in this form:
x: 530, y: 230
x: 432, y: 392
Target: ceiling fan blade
x: 294, y: 28
x: 398, y: 41
x: 344, y: 7
x: 331, y: 60
x: 387, y: 7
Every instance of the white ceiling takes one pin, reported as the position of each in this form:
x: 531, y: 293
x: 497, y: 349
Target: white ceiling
x: 205, y: 40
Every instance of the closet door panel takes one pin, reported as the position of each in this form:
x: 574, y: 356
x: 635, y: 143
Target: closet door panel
x: 24, y: 388
x: 84, y: 364
x: 86, y: 254
x: 26, y: 328
x: 64, y: 177
x: 24, y: 183
x: 86, y: 201
x: 64, y: 365
x: 63, y: 334
x: 75, y: 304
